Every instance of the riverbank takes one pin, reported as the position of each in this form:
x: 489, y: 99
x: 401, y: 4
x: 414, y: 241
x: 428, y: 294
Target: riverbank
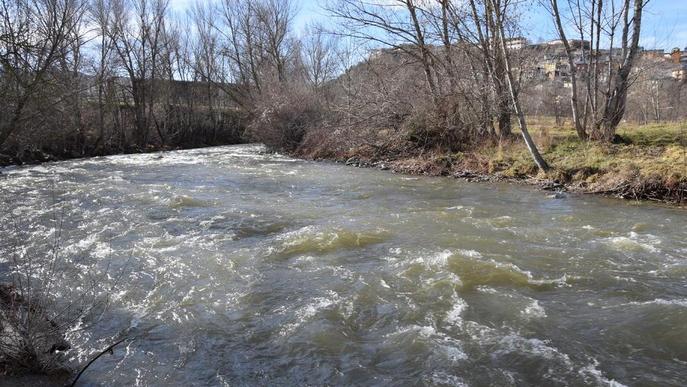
x: 650, y: 164
x: 38, y: 156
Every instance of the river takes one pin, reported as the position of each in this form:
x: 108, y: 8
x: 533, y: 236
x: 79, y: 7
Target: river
x: 230, y: 266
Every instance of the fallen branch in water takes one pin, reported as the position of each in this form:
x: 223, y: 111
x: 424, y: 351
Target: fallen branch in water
x: 106, y: 350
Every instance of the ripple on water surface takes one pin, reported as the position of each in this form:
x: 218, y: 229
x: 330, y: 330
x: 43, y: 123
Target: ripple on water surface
x: 234, y: 266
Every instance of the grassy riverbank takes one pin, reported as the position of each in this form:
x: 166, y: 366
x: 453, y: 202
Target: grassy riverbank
x: 650, y: 165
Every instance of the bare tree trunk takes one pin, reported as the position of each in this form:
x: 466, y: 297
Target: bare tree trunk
x: 36, y: 35
x: 404, y: 32
x: 7, y: 130
x: 499, y: 69
x: 493, y: 64
x: 531, y: 146
x: 424, y: 51
x: 614, y: 109
x: 446, y: 40
x: 581, y: 132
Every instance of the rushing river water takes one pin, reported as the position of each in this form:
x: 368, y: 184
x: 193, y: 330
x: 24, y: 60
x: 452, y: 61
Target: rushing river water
x: 234, y: 267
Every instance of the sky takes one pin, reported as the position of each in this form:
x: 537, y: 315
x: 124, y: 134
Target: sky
x: 666, y: 24
x: 664, y: 21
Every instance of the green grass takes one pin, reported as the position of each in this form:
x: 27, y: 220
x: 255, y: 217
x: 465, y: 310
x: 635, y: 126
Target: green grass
x: 660, y: 134
x: 655, y: 157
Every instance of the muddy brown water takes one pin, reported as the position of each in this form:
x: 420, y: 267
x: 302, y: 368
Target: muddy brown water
x: 235, y: 267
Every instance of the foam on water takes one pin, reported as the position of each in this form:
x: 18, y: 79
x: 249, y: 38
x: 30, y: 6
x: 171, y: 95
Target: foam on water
x: 634, y: 242
x: 290, y: 272
x: 310, y: 310
x: 534, y: 310
x: 514, y: 343
x: 661, y: 302
x: 455, y: 315
x: 438, y: 259
x: 446, y: 379
x: 592, y: 372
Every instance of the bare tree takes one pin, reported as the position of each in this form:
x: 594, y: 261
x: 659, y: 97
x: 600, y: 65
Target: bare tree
x: 574, y: 103
x: 498, y: 13
x: 257, y: 43
x: 34, y: 37
x: 616, y: 97
x: 398, y: 24
x: 100, y: 13
x: 275, y: 18
x: 488, y: 42
x: 617, y: 24
x: 136, y: 31
x: 319, y: 56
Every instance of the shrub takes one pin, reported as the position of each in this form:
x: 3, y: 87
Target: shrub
x: 35, y: 312
x: 437, y: 128
x: 282, y: 118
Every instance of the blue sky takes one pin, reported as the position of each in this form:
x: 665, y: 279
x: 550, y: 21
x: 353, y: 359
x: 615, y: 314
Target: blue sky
x: 664, y: 26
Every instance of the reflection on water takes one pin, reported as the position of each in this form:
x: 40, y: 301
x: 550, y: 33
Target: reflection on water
x: 238, y: 267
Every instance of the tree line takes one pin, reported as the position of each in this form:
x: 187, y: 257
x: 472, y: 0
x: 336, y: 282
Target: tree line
x: 104, y: 76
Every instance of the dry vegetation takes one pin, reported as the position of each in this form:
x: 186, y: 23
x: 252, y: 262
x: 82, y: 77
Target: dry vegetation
x: 37, y: 312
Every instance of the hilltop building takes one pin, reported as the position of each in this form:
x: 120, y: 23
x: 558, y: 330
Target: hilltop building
x: 679, y: 58
x: 574, y: 44
x: 675, y: 55
x: 552, y: 60
x: 548, y: 61
x: 654, y: 54
x: 517, y: 43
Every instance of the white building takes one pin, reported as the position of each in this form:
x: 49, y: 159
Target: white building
x: 517, y: 43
